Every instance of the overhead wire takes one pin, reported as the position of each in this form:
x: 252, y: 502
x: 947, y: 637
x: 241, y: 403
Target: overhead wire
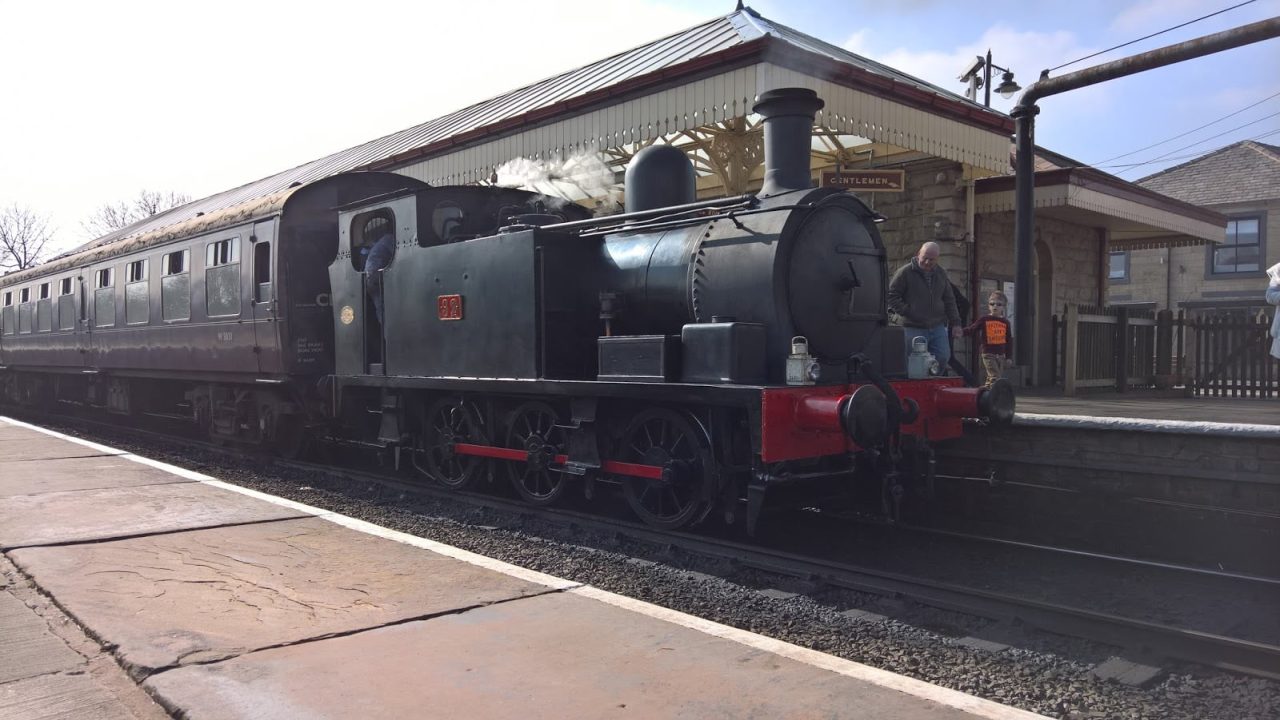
x: 1175, y: 137
x: 1148, y: 37
x: 1267, y: 134
x: 1200, y: 142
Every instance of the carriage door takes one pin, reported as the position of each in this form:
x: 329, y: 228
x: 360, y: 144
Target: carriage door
x: 84, y: 342
x: 263, y: 288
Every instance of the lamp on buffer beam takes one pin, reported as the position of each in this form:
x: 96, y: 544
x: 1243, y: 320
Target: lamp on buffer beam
x: 978, y: 75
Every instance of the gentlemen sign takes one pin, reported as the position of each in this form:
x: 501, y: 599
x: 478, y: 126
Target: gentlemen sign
x: 866, y: 180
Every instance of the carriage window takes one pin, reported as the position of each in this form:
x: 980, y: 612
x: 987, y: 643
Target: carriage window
x: 262, y: 272
x: 223, y: 252
x: 137, y: 300
x: 7, y: 321
x: 175, y: 286
x: 66, y: 305
x: 222, y: 278
x: 24, y: 310
x: 104, y: 298
x: 176, y: 262
x: 44, y: 308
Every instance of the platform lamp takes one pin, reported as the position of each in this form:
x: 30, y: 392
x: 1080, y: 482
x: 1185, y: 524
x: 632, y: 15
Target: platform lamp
x: 982, y: 65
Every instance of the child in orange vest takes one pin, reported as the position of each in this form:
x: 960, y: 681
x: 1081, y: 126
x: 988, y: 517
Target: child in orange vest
x: 995, y: 337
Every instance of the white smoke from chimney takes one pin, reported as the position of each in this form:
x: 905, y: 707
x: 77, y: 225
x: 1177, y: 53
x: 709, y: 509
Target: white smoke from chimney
x: 580, y: 176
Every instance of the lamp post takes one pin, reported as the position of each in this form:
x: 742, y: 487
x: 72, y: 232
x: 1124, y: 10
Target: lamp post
x: 983, y: 65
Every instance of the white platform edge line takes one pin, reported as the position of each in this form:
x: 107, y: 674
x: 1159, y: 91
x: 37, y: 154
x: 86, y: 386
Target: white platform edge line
x: 488, y: 563
x: 93, y: 445
x: 1189, y: 427
x: 848, y: 668
x: 858, y: 671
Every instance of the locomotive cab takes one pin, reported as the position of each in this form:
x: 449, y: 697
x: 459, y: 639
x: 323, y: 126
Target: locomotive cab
x: 457, y: 291
x: 359, y: 335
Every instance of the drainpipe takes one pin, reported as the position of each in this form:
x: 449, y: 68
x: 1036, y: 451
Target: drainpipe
x: 1024, y: 122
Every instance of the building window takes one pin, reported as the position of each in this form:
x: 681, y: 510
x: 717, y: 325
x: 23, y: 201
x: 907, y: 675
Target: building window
x: 1242, y: 252
x: 64, y: 287
x: 1119, y: 267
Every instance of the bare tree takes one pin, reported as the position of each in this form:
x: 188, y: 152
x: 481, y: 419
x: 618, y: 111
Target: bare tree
x: 117, y: 215
x: 23, y: 237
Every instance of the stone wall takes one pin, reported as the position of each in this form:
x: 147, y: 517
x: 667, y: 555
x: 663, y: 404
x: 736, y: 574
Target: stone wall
x: 931, y: 208
x: 1223, y: 470
x: 1076, y: 251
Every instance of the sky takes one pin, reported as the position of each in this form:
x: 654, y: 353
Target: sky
x: 101, y: 100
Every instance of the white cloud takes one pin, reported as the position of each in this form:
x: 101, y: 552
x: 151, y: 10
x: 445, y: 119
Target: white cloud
x: 114, y: 97
x: 1024, y: 52
x: 1149, y: 16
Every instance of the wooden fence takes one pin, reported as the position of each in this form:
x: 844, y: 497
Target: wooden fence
x: 1233, y: 358
x: 1123, y: 348
x: 1112, y: 347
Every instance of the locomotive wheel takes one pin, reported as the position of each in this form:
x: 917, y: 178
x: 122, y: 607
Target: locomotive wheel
x: 533, y: 429
x: 442, y: 424
x: 670, y: 440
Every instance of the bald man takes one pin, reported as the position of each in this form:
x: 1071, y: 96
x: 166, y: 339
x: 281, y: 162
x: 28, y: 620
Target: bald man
x: 920, y: 296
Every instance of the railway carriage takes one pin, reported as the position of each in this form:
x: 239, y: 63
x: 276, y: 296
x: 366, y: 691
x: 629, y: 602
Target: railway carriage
x: 223, y: 319
x: 698, y: 354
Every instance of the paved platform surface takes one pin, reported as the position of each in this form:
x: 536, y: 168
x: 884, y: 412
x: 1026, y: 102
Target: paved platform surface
x: 219, y: 603
x: 1220, y: 410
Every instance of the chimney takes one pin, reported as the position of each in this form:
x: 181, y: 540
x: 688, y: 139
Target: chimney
x: 788, y: 132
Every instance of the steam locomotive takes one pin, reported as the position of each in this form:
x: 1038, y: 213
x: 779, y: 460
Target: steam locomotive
x: 696, y: 354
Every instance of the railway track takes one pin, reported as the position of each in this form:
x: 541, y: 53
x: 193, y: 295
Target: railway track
x: 1138, y: 636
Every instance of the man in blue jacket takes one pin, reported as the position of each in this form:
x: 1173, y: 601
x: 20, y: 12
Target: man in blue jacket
x: 379, y: 257
x: 920, y: 298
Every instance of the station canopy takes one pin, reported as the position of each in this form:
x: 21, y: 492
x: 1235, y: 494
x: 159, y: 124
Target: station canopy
x: 572, y: 134
x: 1134, y: 217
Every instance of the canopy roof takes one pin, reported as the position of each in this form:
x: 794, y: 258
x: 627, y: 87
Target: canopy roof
x: 1134, y: 217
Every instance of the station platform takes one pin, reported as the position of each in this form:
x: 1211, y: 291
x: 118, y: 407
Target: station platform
x: 1145, y: 406
x: 132, y: 589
